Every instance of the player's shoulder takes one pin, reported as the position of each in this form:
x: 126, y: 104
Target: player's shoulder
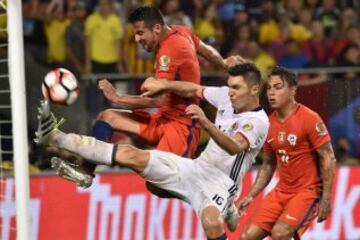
x: 305, y: 113
x: 182, y: 29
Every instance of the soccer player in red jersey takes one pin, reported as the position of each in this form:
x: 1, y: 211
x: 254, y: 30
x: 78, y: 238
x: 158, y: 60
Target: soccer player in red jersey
x: 176, y: 49
x: 298, y: 146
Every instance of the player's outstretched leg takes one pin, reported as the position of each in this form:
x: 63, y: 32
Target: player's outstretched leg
x: 212, y: 223
x: 47, y: 125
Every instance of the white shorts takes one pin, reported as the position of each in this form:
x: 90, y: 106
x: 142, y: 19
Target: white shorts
x: 196, y: 182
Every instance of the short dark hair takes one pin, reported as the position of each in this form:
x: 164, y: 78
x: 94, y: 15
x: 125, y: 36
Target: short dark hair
x: 285, y: 74
x: 150, y: 16
x: 249, y: 71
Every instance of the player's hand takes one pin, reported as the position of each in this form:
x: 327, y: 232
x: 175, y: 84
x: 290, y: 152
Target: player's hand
x: 234, y: 60
x: 244, y: 204
x: 108, y: 90
x: 323, y: 209
x: 151, y: 86
x: 197, y: 113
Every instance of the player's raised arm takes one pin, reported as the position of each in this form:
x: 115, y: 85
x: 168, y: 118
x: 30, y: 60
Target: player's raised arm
x: 132, y: 101
x: 263, y: 178
x: 212, y: 55
x: 231, y: 144
x: 327, y: 168
x: 153, y: 86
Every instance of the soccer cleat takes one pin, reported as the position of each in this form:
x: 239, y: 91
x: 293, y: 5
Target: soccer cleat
x: 47, y: 123
x: 232, y: 218
x: 71, y: 172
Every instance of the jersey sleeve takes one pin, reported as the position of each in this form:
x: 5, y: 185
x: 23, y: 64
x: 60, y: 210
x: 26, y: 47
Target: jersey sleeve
x: 316, y: 130
x: 195, y: 39
x: 254, y: 130
x: 215, y: 94
x: 167, y: 62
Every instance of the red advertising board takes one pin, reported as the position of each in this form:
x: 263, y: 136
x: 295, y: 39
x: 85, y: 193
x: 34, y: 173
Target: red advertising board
x: 118, y: 206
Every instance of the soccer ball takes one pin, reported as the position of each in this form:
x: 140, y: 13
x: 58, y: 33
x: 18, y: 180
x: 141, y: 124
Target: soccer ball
x: 60, y: 86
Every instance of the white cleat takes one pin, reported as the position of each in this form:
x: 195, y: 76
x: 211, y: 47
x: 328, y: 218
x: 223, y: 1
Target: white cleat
x: 47, y: 123
x: 71, y: 172
x: 232, y: 218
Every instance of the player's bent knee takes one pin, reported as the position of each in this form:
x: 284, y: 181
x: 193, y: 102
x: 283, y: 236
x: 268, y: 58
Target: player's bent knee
x: 107, y: 115
x: 212, y: 222
x: 280, y: 232
x: 252, y: 232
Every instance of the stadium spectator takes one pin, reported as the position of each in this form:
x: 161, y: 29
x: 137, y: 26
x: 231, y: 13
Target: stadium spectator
x: 103, y: 33
x: 349, y: 58
x: 241, y: 42
x: 293, y: 57
x: 173, y: 14
x: 259, y: 57
x: 56, y: 22
x: 269, y: 28
x: 207, y: 26
x: 318, y: 49
x: 352, y: 36
x: 74, y: 37
x: 329, y: 15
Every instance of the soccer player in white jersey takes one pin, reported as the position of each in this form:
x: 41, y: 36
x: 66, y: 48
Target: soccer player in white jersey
x: 211, y: 182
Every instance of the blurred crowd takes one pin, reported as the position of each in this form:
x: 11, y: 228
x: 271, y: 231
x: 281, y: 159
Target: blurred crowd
x: 291, y: 33
x: 94, y: 36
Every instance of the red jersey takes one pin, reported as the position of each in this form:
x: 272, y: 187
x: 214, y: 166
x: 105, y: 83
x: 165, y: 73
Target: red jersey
x: 294, y: 142
x: 176, y: 59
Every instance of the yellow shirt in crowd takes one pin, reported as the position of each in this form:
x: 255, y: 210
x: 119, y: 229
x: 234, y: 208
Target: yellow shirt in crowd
x: 104, y: 34
x: 204, y: 29
x: 55, y: 33
x: 264, y: 62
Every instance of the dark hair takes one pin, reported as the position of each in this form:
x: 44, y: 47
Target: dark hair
x: 249, y: 71
x: 285, y: 75
x: 150, y: 16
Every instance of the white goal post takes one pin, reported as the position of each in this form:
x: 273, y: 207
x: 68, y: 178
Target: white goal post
x: 19, y: 119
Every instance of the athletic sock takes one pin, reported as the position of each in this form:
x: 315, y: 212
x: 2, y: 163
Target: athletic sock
x: 102, y: 131
x: 96, y: 151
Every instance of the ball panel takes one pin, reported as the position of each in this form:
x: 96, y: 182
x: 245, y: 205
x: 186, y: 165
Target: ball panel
x: 60, y: 86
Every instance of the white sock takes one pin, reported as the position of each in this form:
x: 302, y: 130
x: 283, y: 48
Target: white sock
x: 96, y: 151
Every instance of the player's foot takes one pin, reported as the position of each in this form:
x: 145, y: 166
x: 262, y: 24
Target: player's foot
x: 232, y: 218
x: 47, y: 123
x: 71, y: 172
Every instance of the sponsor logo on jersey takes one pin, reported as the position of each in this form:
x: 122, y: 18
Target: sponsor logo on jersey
x: 248, y: 127
x: 292, y: 138
x: 281, y: 137
x: 164, y: 62
x: 320, y: 129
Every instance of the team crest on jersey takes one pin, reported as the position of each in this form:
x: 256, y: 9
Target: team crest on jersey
x: 320, y: 129
x: 248, y: 127
x: 164, y: 62
x: 292, y: 138
x: 281, y: 136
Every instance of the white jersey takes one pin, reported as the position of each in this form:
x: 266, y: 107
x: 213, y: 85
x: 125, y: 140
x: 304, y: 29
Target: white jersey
x: 253, y: 125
